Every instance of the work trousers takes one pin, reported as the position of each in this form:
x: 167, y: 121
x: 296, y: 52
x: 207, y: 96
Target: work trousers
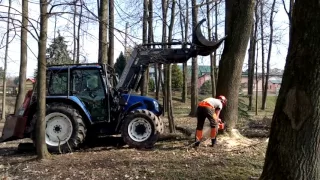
x: 204, y: 112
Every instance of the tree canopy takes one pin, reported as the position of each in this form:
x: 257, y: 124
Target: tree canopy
x: 120, y: 64
x: 57, y: 52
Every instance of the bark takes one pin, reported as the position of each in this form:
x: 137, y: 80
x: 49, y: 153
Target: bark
x: 185, y: 66
x: 103, y: 23
x: 293, y: 149
x: 194, y: 74
x: 172, y: 128
x: 23, y: 58
x: 144, y: 84
x: 264, y: 96
x: 78, y: 33
x: 230, y: 67
x: 74, y: 32
x: 41, y: 146
x: 164, y: 4
x: 251, y: 57
x: 111, y: 34
x: 4, y: 78
x: 257, y: 80
x: 212, y: 60
x: 262, y: 52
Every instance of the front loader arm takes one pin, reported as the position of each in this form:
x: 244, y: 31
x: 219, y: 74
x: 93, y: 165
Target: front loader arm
x: 142, y: 56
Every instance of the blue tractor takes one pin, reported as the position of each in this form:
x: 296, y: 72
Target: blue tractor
x: 88, y: 100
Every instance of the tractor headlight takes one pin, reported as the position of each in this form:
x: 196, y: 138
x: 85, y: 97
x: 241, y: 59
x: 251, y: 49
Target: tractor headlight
x: 156, y: 105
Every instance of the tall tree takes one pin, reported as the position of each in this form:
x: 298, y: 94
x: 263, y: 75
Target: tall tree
x: 74, y: 53
x: 264, y: 96
x: 262, y: 3
x: 78, y: 34
x: 111, y: 33
x: 164, y: 7
x: 103, y: 23
x: 212, y: 60
x: 252, y: 55
x: 194, y: 73
x: 23, y: 57
x: 169, y: 72
x: 4, y: 75
x: 184, y: 22
x: 238, y: 22
x: 41, y: 147
x: 144, y: 81
x: 293, y: 149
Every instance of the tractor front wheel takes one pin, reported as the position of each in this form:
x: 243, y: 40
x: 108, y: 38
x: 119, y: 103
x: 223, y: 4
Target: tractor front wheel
x: 140, y: 129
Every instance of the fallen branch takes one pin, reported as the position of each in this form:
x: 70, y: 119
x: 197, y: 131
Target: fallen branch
x: 168, y: 137
x: 185, y: 131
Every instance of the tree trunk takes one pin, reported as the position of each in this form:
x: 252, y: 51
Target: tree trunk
x: 103, y: 23
x: 185, y: 65
x: 264, y: 96
x: 251, y: 63
x: 23, y: 58
x: 230, y: 67
x: 164, y: 4
x: 212, y: 60
x: 194, y: 73
x: 293, y: 149
x: 4, y: 88
x: 41, y: 146
x: 111, y: 34
x: 74, y: 32
x: 169, y: 73
x: 257, y: 80
x: 144, y: 83
x: 263, y: 105
x: 78, y: 33
x: 215, y: 52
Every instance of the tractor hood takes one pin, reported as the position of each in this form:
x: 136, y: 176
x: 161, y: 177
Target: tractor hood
x: 146, y: 103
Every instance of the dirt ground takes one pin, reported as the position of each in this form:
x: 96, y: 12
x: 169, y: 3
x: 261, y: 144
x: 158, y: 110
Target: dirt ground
x: 232, y: 158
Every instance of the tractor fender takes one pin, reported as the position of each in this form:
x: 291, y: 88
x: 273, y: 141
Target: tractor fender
x: 129, y: 109
x: 75, y: 102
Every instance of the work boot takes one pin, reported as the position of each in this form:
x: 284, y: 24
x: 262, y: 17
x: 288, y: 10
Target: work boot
x: 213, y: 142
x: 196, y: 144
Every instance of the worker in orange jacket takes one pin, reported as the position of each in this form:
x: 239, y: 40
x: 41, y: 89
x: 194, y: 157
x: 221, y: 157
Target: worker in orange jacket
x: 209, y: 108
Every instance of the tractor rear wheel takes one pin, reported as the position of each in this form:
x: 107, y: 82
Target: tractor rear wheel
x: 140, y: 129
x: 65, y: 129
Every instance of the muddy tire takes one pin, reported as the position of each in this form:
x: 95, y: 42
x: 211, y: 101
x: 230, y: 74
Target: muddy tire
x: 65, y: 129
x: 160, y: 126
x: 140, y: 129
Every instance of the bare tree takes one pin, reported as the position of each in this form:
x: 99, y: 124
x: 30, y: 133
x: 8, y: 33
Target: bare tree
x: 4, y: 88
x: 169, y: 72
x: 144, y: 84
x: 23, y: 57
x: 212, y: 60
x: 164, y: 5
x: 238, y: 25
x: 103, y: 23
x: 78, y: 34
x: 111, y: 33
x: 74, y: 54
x: 264, y: 96
x: 41, y: 146
x: 194, y: 73
x: 184, y: 24
x: 293, y: 148
x: 262, y: 3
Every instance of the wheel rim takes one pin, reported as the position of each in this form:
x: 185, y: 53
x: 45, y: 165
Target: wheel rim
x: 58, y: 128
x: 139, y: 129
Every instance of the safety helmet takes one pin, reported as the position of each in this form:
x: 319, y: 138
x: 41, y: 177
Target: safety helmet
x: 223, y: 99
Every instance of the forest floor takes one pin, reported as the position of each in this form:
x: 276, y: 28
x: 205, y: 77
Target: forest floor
x: 237, y: 157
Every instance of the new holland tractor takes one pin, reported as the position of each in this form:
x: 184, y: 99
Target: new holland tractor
x: 88, y: 100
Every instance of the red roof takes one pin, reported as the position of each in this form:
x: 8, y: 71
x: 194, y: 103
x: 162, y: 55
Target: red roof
x: 31, y: 79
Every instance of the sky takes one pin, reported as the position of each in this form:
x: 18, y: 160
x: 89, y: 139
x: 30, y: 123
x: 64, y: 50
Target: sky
x: 89, y: 43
